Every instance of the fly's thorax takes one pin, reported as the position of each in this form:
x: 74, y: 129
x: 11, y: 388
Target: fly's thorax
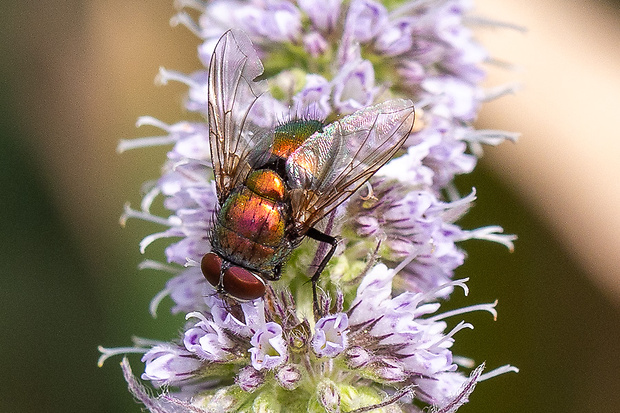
x: 290, y: 135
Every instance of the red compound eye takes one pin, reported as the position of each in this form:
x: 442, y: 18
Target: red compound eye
x: 211, y: 265
x: 242, y: 284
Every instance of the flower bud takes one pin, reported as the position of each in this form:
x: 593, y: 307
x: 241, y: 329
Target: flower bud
x: 249, y: 379
x: 227, y: 399
x: 388, y: 369
x: 267, y: 402
x: 328, y: 396
x: 288, y: 376
x: 357, y: 357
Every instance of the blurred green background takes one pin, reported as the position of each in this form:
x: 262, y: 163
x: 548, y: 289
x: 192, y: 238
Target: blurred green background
x: 75, y: 76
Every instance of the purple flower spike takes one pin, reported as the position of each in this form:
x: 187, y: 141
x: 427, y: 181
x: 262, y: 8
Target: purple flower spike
x: 374, y: 339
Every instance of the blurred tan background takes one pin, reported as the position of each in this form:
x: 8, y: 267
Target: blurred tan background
x: 567, y: 166
x: 76, y: 76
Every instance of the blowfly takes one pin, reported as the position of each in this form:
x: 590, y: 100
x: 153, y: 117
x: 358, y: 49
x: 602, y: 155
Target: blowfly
x: 274, y: 186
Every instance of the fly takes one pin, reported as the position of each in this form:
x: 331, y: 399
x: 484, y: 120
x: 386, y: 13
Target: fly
x: 274, y: 186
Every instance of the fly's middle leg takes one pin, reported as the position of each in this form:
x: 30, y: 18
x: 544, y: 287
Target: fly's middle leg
x: 333, y: 243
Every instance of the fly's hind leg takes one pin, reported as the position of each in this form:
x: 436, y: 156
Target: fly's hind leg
x: 333, y: 242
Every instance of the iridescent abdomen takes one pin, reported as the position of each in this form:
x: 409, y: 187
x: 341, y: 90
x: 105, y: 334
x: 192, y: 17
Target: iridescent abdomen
x: 251, y: 224
x: 250, y: 230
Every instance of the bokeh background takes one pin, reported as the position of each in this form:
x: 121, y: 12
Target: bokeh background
x: 75, y: 76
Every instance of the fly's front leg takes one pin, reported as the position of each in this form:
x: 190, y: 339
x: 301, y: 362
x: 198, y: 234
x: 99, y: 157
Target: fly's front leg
x: 333, y: 242
x: 275, y: 275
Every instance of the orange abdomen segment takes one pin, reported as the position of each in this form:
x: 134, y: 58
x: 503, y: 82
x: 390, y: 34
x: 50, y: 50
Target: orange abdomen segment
x: 267, y: 183
x: 239, y: 249
x: 253, y: 217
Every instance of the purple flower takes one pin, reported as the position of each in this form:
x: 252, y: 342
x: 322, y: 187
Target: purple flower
x: 314, y: 98
x: 365, y: 20
x: 324, y: 15
x: 207, y: 340
x: 269, y: 348
x: 330, y: 336
x: 354, y: 87
x: 409, y: 168
x: 397, y: 38
x: 402, y: 341
x: 169, y: 365
x: 414, y: 224
x: 442, y: 388
x: 278, y: 21
x: 187, y: 291
x: 244, y: 323
x: 452, y: 98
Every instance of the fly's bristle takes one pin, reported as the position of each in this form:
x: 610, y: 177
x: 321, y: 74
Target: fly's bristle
x: 309, y: 114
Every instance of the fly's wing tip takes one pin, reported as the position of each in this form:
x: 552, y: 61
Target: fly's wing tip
x: 253, y: 66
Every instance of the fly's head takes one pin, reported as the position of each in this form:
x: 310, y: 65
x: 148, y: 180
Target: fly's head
x: 232, y: 280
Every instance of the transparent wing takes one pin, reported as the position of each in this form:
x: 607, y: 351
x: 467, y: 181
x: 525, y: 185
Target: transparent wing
x: 330, y: 166
x: 233, y: 94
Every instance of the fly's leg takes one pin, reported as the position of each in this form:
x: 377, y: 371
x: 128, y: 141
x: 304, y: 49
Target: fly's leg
x: 333, y: 242
x: 276, y: 275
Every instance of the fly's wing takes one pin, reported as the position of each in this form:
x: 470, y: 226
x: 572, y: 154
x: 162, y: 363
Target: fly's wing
x: 233, y: 94
x: 331, y: 165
